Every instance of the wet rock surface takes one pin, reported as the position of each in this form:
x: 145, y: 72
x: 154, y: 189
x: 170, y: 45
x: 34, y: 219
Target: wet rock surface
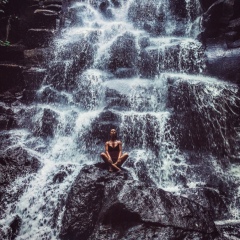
x: 222, y: 33
x: 187, y: 98
x: 209, y: 199
x: 229, y: 230
x: 120, y: 206
x: 101, y: 205
x: 16, y: 162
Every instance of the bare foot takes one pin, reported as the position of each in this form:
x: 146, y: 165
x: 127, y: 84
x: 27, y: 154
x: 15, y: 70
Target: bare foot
x: 116, y: 167
x: 110, y: 169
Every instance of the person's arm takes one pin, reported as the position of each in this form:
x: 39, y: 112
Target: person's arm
x: 106, y: 150
x: 120, y: 149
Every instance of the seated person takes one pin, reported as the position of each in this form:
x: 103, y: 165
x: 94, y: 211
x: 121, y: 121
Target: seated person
x: 113, y: 152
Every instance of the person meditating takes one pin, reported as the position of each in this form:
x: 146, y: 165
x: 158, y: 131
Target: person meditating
x: 113, y: 152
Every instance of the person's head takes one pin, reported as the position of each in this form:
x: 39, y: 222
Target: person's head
x: 113, y: 133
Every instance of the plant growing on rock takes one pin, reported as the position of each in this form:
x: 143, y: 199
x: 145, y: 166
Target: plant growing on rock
x: 4, y: 43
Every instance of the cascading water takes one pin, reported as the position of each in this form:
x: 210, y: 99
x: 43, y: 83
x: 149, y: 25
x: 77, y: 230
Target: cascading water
x: 136, y: 66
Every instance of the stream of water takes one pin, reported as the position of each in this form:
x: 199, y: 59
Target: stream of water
x: 132, y: 65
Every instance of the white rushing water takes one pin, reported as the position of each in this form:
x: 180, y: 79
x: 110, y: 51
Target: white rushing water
x: 128, y: 65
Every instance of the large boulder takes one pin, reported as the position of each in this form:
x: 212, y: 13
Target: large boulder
x: 99, y: 130
x: 63, y: 74
x: 123, y: 53
x: 16, y: 161
x: 47, y: 123
x: 197, y: 125
x: 210, y: 199
x: 118, y: 205
x: 15, y: 227
x: 221, y: 35
x: 216, y: 18
x: 172, y: 56
x: 223, y: 63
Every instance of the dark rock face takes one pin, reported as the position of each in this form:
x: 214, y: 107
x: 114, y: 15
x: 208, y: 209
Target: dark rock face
x: 12, y: 230
x: 195, y: 125
x: 45, y: 18
x: 39, y: 38
x: 37, y: 56
x: 33, y: 78
x: 15, y: 162
x: 48, y: 124
x: 106, y: 120
x: 121, y: 206
x: 59, y: 177
x: 123, y: 53
x: 11, y: 77
x: 11, y: 53
x: 229, y: 231
x: 146, y: 16
x: 15, y: 226
x: 210, y: 199
x: 224, y: 66
x: 63, y: 74
x: 6, y: 118
x: 222, y: 33
x: 216, y: 18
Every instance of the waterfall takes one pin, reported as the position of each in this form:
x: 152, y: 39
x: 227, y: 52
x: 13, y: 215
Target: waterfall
x: 135, y: 66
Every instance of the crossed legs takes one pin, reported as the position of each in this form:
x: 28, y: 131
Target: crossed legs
x: 115, y: 165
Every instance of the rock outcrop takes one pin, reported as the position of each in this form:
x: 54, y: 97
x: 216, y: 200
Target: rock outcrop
x: 221, y: 34
x: 101, y: 205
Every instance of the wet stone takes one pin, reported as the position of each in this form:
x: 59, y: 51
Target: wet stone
x: 39, y: 38
x: 101, y: 125
x: 225, y: 66
x: 7, y: 118
x: 50, y: 95
x: 11, y: 77
x: 235, y: 44
x: 123, y: 53
x: 47, y: 125
x: 206, y: 4
x: 15, y: 162
x: 59, y: 177
x: 232, y: 36
x: 209, y: 199
x: 33, y: 78
x: 15, y: 226
x: 125, y: 72
x: 29, y: 96
x: 229, y: 230
x: 11, y: 53
x: 45, y: 19
x: 234, y: 25
x: 116, y: 3
x: 37, y: 56
x: 116, y: 100
x: 120, y: 204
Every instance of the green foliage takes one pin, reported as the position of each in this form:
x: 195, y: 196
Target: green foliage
x: 4, y: 43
